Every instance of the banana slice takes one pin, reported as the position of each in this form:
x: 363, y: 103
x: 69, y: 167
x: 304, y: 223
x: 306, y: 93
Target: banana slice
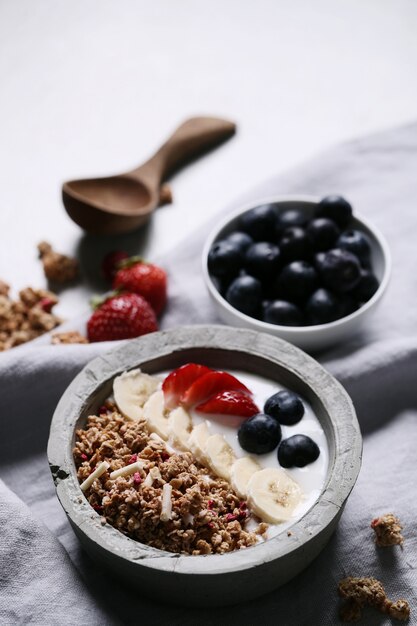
x: 131, y: 390
x: 154, y: 413
x: 197, y: 441
x: 220, y: 455
x: 241, y: 472
x: 273, y: 495
x: 179, y: 427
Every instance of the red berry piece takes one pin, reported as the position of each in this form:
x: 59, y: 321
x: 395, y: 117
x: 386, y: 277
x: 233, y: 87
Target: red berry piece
x: 109, y: 265
x: 229, y: 403
x: 178, y: 381
x: 122, y: 317
x: 210, y: 384
x: 146, y: 279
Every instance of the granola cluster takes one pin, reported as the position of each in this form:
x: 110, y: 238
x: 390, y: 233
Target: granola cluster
x: 57, y: 267
x: 387, y: 531
x: 71, y: 336
x: 361, y: 592
x: 206, y: 516
x: 26, y: 318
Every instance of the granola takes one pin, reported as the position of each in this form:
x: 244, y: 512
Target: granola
x: 387, y: 530
x: 160, y: 497
x: 27, y: 317
x: 360, y: 592
x: 57, y: 267
x: 71, y: 336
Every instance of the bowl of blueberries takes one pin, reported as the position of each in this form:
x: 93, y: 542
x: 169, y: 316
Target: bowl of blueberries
x: 305, y: 269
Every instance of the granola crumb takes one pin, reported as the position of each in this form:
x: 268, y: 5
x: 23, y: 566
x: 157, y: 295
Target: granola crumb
x: 360, y: 592
x: 289, y: 533
x: 387, y: 530
x: 27, y: 317
x: 57, y: 267
x: 71, y: 336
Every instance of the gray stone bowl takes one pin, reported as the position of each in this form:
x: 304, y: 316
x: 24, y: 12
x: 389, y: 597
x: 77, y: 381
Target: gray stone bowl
x: 212, y: 579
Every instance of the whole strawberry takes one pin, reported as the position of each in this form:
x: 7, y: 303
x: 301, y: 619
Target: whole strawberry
x: 121, y: 316
x: 146, y: 279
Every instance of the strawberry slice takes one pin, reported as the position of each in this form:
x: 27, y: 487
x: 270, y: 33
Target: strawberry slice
x: 229, y: 403
x: 210, y: 384
x: 178, y: 381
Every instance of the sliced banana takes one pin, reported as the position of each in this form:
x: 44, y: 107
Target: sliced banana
x: 154, y: 413
x: 179, y: 427
x: 197, y: 441
x: 220, y: 455
x: 131, y: 390
x: 240, y: 474
x: 273, y: 495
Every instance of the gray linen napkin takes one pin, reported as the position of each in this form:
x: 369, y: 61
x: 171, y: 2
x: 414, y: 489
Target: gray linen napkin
x: 40, y: 585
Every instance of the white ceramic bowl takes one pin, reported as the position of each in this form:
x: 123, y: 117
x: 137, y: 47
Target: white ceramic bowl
x: 311, y: 338
x: 209, y: 580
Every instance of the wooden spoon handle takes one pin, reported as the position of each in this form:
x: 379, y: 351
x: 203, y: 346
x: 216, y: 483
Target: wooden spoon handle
x: 194, y: 137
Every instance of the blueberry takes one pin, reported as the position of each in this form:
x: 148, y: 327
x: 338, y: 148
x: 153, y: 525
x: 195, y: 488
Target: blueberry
x: 259, y: 222
x: 283, y: 313
x: 286, y: 407
x: 340, y: 270
x: 367, y: 286
x: 335, y: 208
x: 322, y: 307
x: 323, y: 233
x: 356, y: 242
x: 347, y: 304
x: 297, y: 281
x: 245, y: 295
x: 262, y: 260
x: 259, y: 434
x: 240, y: 239
x: 297, y: 451
x: 224, y: 259
x: 295, y: 244
x: 289, y: 218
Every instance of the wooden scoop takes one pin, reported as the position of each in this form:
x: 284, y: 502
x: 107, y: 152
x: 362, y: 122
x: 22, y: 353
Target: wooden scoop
x: 118, y: 204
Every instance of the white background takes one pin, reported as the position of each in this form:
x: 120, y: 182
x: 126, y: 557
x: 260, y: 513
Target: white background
x: 93, y: 87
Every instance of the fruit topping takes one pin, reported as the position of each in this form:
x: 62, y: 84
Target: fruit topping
x: 262, y: 260
x: 145, y: 279
x: 286, y: 407
x: 224, y: 259
x: 260, y: 222
x: 297, y: 451
x: 290, y: 218
x: 241, y: 472
x: 356, y: 242
x: 335, y: 208
x: 297, y: 281
x: 322, y: 307
x: 273, y: 495
x: 245, y: 294
x: 220, y: 455
x: 122, y: 316
x: 283, y: 313
x: 295, y: 244
x: 340, y: 270
x: 110, y: 263
x: 229, y: 403
x: 179, y: 380
x: 240, y: 239
x: 210, y: 384
x: 131, y: 390
x: 323, y: 233
x: 259, y: 434
x: 367, y: 286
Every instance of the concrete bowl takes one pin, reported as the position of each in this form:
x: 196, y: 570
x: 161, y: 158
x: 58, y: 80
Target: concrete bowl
x: 213, y: 579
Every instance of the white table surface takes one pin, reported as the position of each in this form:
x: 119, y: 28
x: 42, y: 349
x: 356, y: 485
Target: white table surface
x: 92, y: 88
